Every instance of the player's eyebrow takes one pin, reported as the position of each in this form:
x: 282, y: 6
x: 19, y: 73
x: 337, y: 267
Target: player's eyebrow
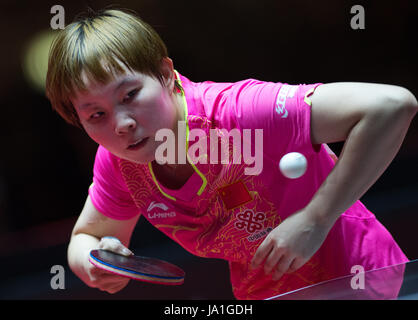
x: 123, y: 82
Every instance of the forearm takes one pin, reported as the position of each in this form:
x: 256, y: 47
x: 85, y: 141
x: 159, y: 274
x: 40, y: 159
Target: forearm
x: 80, y: 246
x: 369, y: 149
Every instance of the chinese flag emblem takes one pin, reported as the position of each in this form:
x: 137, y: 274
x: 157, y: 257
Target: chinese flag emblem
x: 234, y: 195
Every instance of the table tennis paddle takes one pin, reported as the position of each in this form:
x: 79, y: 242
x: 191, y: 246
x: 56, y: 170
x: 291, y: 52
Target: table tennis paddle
x: 137, y: 267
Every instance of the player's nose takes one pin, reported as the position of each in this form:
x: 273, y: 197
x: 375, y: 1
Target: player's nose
x: 124, y: 123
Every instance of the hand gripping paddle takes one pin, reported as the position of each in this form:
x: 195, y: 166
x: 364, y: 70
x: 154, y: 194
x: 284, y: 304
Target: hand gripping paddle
x: 137, y: 267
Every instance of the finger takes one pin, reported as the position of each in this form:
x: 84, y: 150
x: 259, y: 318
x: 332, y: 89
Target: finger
x: 117, y: 287
x: 113, y: 244
x: 97, y: 278
x: 282, y: 267
x: 296, y: 264
x: 98, y: 273
x: 111, y: 238
x: 277, y: 275
x: 108, y: 276
x: 272, y: 259
x: 110, y: 283
x: 262, y: 252
x: 109, y: 243
x: 95, y: 271
x: 106, y: 281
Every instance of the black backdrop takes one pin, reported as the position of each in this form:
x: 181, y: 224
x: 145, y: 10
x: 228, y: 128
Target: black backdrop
x: 46, y: 165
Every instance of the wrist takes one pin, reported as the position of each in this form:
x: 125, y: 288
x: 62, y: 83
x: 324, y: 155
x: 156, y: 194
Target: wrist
x: 320, y: 216
x: 79, y: 251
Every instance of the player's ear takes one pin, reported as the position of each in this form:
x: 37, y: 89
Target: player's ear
x: 167, y: 71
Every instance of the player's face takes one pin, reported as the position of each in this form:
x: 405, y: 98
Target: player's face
x: 124, y: 115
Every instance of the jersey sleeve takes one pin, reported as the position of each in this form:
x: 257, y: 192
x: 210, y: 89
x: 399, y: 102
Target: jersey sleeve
x: 108, y: 192
x: 282, y: 111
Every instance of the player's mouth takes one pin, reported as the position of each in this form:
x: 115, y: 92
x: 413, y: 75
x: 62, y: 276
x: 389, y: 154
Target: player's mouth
x: 137, y: 145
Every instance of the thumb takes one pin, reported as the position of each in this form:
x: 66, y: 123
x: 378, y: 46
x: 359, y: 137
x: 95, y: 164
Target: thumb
x: 113, y: 244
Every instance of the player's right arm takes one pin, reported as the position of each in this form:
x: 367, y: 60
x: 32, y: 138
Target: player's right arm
x: 87, y: 235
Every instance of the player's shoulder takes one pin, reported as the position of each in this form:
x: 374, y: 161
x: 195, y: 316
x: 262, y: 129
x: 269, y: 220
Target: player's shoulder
x: 104, y: 155
x: 106, y: 161
x: 232, y: 104
x: 210, y: 90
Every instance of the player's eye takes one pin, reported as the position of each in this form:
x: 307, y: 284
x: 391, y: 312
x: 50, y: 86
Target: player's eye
x: 96, y: 115
x: 128, y: 97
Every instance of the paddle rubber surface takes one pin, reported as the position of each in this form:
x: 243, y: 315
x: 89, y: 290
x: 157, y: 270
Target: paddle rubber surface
x: 138, y: 267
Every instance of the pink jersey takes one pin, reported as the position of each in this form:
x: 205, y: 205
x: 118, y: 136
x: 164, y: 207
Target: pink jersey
x: 223, y: 212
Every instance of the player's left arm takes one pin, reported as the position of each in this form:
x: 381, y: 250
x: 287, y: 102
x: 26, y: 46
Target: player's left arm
x: 373, y: 120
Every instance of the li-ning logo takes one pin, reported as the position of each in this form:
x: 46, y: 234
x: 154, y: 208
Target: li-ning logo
x: 285, y: 92
x: 250, y: 221
x: 157, y: 205
x: 161, y: 206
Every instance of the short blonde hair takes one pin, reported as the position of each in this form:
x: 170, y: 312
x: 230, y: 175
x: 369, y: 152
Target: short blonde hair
x: 97, y: 44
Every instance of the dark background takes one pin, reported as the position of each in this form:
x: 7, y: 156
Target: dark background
x: 46, y: 165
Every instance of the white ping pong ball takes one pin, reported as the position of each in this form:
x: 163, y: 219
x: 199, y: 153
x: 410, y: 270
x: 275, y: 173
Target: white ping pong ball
x: 293, y: 165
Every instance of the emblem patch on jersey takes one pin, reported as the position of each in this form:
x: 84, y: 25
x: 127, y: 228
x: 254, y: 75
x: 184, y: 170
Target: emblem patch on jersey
x: 234, y: 195
x: 250, y: 220
x: 253, y: 223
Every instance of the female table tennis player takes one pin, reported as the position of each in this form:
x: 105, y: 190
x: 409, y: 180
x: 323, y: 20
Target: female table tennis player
x: 110, y: 74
